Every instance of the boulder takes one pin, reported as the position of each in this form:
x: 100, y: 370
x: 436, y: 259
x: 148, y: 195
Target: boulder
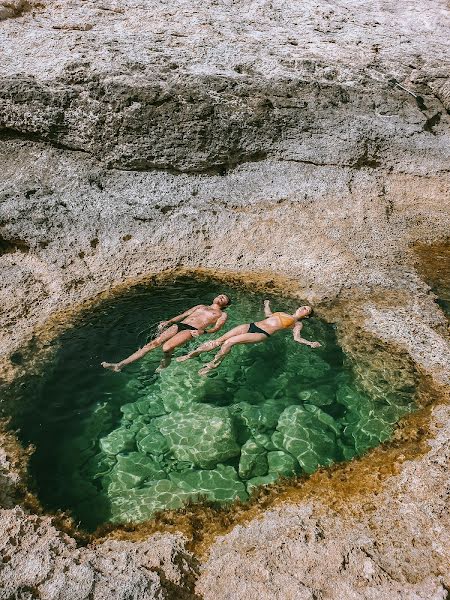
x: 255, y: 482
x: 253, y: 462
x: 135, y: 505
x: 151, y: 441
x: 281, y: 463
x: 200, y: 434
x: 322, y: 395
x: 132, y: 470
x: 220, y: 484
x: 307, y: 438
x: 119, y: 440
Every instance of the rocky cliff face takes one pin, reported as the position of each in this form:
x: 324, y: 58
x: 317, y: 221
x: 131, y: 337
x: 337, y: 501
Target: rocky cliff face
x: 298, y: 139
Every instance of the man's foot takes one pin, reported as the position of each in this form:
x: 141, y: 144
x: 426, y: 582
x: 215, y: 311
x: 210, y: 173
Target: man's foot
x: 207, y: 368
x: 165, y: 362
x: 112, y: 367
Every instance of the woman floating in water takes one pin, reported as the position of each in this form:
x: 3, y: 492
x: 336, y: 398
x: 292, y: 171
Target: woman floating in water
x: 253, y: 333
x: 180, y: 330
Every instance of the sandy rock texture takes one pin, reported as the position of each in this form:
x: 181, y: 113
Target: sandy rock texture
x: 39, y: 561
x: 308, y: 140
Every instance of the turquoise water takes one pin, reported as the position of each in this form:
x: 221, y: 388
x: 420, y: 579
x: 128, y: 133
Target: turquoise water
x: 116, y: 447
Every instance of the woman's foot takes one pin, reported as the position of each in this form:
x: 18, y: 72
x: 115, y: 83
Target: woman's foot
x: 205, y: 370
x: 209, y: 367
x: 112, y: 367
x: 183, y: 358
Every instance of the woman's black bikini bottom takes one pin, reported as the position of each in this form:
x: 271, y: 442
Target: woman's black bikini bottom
x: 252, y: 328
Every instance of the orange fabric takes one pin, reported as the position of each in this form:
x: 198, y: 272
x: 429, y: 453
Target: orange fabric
x: 285, y: 320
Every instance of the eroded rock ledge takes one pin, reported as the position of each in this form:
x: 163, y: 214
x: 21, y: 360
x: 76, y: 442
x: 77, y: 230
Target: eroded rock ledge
x: 260, y: 137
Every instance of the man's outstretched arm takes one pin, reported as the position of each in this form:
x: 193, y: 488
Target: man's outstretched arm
x: 267, y: 309
x: 298, y: 337
x: 178, y: 317
x: 219, y: 323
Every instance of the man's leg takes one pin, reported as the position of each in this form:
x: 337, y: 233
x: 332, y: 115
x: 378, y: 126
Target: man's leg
x: 246, y: 338
x: 208, y: 346
x: 163, y: 337
x: 168, y: 347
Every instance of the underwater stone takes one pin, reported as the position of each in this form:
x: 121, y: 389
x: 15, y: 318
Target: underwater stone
x: 277, y: 440
x: 311, y: 366
x: 322, y: 395
x: 152, y: 406
x: 151, y: 441
x: 264, y: 440
x: 99, y: 465
x: 367, y: 422
x: 136, y: 505
x: 257, y: 419
x: 130, y: 411
x: 258, y: 373
x: 137, y: 423
x: 257, y: 481
x: 215, y: 391
x: 348, y: 452
x: 351, y: 398
x: 245, y: 395
x: 220, y: 484
x: 119, y: 440
x: 140, y: 465
x: 366, y: 429
x: 253, y: 462
x: 324, y: 418
x: 132, y: 470
x: 306, y: 437
x: 283, y: 464
x: 200, y: 434
x: 178, y: 386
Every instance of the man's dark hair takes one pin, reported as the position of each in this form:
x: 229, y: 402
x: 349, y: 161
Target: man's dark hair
x: 229, y: 299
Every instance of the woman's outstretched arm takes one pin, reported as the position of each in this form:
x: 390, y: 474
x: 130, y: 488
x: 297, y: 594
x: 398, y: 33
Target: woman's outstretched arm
x: 298, y: 337
x: 267, y: 309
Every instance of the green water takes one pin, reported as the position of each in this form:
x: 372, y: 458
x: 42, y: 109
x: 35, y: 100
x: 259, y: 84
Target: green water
x: 119, y: 446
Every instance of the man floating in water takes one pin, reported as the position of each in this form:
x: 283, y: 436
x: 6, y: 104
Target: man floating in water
x: 177, y: 331
x: 253, y: 333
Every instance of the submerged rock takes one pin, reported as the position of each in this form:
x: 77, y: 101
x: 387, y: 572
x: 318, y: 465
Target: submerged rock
x: 200, y: 434
x: 148, y: 407
x: 99, y: 465
x: 307, y: 437
x: 309, y: 366
x: 255, y: 482
x: 281, y: 463
x: 151, y: 441
x: 322, y: 395
x: 264, y: 440
x: 259, y: 418
x: 253, y: 460
x: 367, y: 421
x: 132, y: 470
x: 117, y: 441
x: 221, y: 484
x: 136, y: 505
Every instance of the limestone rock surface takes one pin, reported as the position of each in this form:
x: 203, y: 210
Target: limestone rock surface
x: 307, y: 140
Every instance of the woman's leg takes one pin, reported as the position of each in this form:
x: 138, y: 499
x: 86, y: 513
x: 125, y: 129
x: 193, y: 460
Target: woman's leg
x: 245, y: 338
x: 208, y: 346
x: 165, y: 335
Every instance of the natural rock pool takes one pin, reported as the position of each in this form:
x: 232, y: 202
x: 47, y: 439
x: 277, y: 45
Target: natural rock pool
x: 117, y: 447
